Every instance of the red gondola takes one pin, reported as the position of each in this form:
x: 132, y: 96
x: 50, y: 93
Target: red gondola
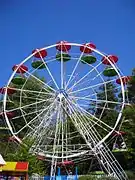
x: 119, y: 133
x: 12, y: 138
x: 39, y: 53
x: 10, y: 115
x: 112, y: 58
x: 63, y: 46
x: 65, y: 163
x: 41, y: 156
x: 86, y: 48
x: 124, y: 79
x: 10, y: 91
x: 21, y: 69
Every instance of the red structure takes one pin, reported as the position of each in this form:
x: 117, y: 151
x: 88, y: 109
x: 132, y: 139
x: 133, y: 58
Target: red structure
x: 10, y: 91
x: 41, y: 156
x: 119, y: 133
x: 14, y: 169
x: 14, y: 139
x: 63, y: 46
x: 124, y: 79
x: 10, y: 115
x: 65, y: 163
x: 39, y: 53
x: 20, y: 69
x: 112, y: 58
x: 86, y: 48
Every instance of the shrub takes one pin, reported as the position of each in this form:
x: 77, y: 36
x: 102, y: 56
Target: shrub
x: 96, y: 178
x: 131, y: 175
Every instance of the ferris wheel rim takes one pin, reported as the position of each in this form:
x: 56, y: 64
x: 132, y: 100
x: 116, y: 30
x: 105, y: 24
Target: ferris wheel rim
x: 72, y: 44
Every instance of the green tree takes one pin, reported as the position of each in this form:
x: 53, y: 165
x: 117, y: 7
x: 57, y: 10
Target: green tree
x: 131, y: 88
x: 22, y: 153
x: 106, y: 106
x: 31, y: 92
x: 128, y: 125
x: 129, y: 113
x: 27, y: 102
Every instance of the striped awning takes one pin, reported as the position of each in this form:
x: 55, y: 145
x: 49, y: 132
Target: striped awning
x: 15, y: 166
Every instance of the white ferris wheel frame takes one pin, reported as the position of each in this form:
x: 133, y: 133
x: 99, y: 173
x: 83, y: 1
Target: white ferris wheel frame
x: 72, y: 44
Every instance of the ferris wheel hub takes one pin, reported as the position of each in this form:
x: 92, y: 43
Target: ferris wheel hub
x: 62, y: 94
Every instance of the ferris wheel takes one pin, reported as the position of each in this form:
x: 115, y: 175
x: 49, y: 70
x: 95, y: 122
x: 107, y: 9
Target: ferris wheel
x: 52, y: 98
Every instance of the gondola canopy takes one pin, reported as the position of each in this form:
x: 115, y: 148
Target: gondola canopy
x: 63, y: 46
x: 20, y: 69
x: 110, y: 58
x: 39, y: 53
x: 87, y: 48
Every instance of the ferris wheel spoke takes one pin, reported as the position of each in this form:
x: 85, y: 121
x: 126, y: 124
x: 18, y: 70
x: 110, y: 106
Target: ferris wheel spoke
x: 97, y: 100
x: 87, y: 96
x: 93, y: 86
x: 40, y: 81
x: 40, y: 137
x: 34, y: 119
x: 89, y: 125
x: 92, y: 132
x: 42, y: 127
x: 26, y: 114
x: 62, y: 71
x: 55, y: 138
x: 92, y: 117
x: 65, y: 141
x: 85, y: 83
x: 83, y: 116
x: 99, y: 74
x: 75, y: 111
x: 86, y: 75
x: 49, y: 72
x: 97, y: 71
x: 77, y: 119
x: 95, y: 94
x: 96, y: 107
x: 48, y: 118
x: 75, y: 67
x: 25, y: 119
x: 103, y: 110
x: 28, y: 105
x: 29, y: 123
x: 104, y: 83
x: 62, y: 128
x: 52, y: 59
x: 90, y: 80
x: 100, y: 124
x: 31, y: 91
x: 30, y: 98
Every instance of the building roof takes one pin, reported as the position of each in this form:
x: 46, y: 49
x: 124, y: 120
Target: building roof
x: 15, y: 166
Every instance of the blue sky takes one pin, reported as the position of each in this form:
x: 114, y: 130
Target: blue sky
x: 26, y: 25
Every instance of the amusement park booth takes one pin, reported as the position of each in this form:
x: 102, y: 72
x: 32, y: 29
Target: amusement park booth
x: 14, y: 171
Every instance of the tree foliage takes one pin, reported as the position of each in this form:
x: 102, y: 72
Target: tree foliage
x: 129, y: 113
x: 23, y: 96
x: 22, y: 153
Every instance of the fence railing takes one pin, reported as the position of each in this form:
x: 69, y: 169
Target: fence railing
x: 69, y: 177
